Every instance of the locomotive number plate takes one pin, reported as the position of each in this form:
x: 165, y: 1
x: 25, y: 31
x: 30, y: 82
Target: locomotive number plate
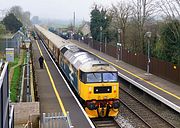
x: 104, y: 89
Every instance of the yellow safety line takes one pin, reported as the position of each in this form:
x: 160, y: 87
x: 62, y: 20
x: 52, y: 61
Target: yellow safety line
x: 52, y: 83
x: 135, y: 75
x: 32, y: 87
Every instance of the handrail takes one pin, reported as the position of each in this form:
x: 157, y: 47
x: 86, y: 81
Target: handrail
x: 11, y: 116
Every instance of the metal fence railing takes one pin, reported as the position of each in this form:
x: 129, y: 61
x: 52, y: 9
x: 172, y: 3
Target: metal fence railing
x: 56, y: 120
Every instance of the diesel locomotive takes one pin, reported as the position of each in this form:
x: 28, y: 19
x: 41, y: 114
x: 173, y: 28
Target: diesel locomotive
x: 95, y: 81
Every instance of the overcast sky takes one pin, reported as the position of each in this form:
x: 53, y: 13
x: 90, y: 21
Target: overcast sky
x: 56, y: 9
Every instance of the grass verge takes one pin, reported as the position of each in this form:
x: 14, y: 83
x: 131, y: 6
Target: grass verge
x: 16, y: 78
x: 15, y: 84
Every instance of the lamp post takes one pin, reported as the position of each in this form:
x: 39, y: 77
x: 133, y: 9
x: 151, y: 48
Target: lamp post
x: 148, y: 35
x: 79, y: 34
x: 90, y: 42
x: 101, y: 39
x: 119, y: 45
x: 105, y: 40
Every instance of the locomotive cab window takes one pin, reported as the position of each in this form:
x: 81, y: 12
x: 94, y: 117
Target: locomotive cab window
x: 82, y: 76
x: 63, y: 50
x: 97, y: 77
x: 110, y: 77
x: 93, y: 77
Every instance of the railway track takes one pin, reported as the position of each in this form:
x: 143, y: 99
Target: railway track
x: 105, y: 123
x: 146, y: 117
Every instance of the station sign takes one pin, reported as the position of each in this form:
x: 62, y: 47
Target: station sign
x: 10, y: 54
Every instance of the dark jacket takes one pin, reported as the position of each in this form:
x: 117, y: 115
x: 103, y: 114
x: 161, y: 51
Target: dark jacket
x: 41, y: 59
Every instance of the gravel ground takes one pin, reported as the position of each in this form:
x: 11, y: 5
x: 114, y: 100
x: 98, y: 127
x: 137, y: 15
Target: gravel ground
x: 124, y: 123
x: 126, y: 119
x: 166, y: 112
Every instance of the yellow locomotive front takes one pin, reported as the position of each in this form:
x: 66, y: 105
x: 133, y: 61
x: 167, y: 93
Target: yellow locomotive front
x: 99, y: 89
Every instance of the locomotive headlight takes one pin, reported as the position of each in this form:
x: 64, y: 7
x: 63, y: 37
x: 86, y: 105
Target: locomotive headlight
x: 114, y: 87
x: 90, y: 90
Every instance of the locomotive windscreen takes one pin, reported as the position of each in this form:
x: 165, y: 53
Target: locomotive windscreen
x: 98, y: 77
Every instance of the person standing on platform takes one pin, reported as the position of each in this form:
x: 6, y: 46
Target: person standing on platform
x: 41, y: 60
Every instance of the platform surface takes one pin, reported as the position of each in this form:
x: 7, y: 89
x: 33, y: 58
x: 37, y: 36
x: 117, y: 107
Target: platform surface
x: 47, y: 97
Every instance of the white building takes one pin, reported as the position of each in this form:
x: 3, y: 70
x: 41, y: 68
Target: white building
x: 85, y: 29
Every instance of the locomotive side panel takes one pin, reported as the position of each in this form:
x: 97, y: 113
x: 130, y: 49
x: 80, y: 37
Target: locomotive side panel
x: 69, y: 70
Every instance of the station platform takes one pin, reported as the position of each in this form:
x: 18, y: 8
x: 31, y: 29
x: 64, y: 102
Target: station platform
x: 161, y: 89
x: 50, y: 102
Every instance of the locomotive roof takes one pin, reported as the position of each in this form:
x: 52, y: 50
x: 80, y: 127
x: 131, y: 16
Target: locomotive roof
x: 97, y: 66
x: 84, y: 60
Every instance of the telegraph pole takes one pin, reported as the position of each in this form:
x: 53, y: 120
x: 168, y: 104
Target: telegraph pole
x: 74, y: 20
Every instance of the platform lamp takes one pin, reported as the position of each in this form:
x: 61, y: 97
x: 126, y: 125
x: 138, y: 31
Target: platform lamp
x: 148, y: 36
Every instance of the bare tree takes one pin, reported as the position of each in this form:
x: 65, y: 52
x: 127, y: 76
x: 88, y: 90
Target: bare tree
x: 171, y: 8
x: 143, y: 10
x: 26, y: 18
x: 22, y: 16
x: 120, y: 14
x: 17, y: 11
